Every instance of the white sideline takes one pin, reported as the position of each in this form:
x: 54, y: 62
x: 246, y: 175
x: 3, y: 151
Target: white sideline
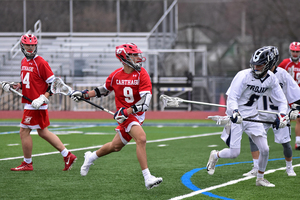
x: 225, y: 184
x: 97, y: 147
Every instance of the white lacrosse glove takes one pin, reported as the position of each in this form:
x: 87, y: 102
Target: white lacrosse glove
x: 293, y: 114
x: 79, y: 95
x: 121, y: 115
x: 280, y: 121
x: 236, y: 117
x: 6, y: 86
x: 38, y: 102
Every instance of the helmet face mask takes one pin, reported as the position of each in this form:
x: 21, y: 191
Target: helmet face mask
x: 28, y: 39
x: 295, y: 51
x: 129, y: 54
x: 263, y: 60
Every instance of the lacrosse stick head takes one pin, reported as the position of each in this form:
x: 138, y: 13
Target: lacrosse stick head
x: 59, y: 87
x: 170, y: 101
x: 221, y: 120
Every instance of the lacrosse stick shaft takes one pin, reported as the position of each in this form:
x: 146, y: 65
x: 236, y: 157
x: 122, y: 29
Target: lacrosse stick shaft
x: 104, y: 109
x: 57, y: 86
x: 259, y: 121
x: 213, y: 104
x: 17, y: 93
x: 21, y: 95
x: 224, y: 106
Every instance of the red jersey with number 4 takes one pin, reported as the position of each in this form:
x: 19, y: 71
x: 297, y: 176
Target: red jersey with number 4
x: 128, y: 87
x: 35, y: 76
x: 292, y: 68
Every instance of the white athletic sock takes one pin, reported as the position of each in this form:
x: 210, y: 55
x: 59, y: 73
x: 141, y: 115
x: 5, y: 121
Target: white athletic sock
x: 28, y: 160
x: 288, y: 163
x: 259, y: 175
x: 216, y: 156
x: 255, y: 163
x: 93, y: 156
x: 64, y: 152
x: 146, y: 173
x: 297, y: 139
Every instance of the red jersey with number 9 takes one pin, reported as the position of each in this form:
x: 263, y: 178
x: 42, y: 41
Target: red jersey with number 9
x: 35, y: 76
x: 128, y: 87
x: 292, y: 68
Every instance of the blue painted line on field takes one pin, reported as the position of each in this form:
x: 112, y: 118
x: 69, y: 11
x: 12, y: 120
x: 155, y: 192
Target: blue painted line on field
x: 186, y: 178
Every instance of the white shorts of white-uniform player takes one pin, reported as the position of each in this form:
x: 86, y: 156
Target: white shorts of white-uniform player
x: 257, y: 132
x: 281, y: 135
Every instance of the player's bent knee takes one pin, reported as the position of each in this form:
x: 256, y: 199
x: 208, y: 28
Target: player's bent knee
x: 118, y: 148
x: 264, y: 151
x: 234, y: 153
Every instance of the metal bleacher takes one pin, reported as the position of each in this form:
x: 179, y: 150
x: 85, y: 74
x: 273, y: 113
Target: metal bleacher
x: 71, y: 56
x: 85, y: 59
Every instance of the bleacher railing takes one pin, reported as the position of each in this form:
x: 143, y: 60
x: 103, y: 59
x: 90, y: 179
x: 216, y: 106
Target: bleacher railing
x: 164, y: 33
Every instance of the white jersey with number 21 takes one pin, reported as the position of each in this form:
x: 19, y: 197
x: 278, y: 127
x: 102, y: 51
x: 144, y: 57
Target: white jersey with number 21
x: 245, y: 91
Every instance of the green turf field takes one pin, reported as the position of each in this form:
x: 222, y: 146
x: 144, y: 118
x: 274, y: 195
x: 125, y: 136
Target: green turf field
x: 174, y: 153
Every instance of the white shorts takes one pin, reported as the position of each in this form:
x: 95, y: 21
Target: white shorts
x: 250, y: 128
x: 282, y: 135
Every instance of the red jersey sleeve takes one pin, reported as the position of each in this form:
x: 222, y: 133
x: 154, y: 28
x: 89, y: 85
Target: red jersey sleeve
x: 284, y: 63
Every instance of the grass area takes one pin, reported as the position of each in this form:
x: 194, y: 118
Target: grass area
x: 118, y: 176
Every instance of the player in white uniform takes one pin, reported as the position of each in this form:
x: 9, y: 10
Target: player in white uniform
x: 282, y: 135
x: 246, y: 88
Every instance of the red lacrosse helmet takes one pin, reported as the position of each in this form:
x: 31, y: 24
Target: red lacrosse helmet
x: 123, y: 53
x: 295, y: 46
x: 29, y: 39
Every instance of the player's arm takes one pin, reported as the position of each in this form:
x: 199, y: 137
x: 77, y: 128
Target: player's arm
x: 141, y: 106
x: 86, y: 94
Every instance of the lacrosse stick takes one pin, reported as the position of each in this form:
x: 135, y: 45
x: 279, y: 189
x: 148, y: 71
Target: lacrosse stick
x: 223, y: 120
x: 175, y: 101
x: 59, y: 87
x: 17, y: 93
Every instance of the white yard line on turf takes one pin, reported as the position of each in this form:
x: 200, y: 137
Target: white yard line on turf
x: 97, y: 147
x: 226, y: 184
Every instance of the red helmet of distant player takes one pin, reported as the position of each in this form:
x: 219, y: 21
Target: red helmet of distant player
x: 29, y: 39
x: 295, y: 51
x: 129, y: 54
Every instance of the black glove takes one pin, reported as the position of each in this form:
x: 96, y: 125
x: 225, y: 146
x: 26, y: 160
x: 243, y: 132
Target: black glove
x: 236, y: 117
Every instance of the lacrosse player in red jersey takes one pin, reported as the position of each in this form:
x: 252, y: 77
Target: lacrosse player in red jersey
x: 36, y: 78
x: 245, y: 89
x: 133, y: 92
x: 292, y: 66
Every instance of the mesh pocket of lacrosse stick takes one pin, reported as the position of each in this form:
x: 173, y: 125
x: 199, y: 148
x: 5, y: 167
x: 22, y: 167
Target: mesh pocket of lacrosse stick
x: 170, y: 101
x: 58, y: 86
x: 221, y: 120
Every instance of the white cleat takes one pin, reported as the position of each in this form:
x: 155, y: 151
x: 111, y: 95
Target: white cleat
x: 210, y: 167
x: 153, y: 182
x: 253, y: 172
x: 263, y: 182
x: 290, y: 171
x: 86, y: 164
